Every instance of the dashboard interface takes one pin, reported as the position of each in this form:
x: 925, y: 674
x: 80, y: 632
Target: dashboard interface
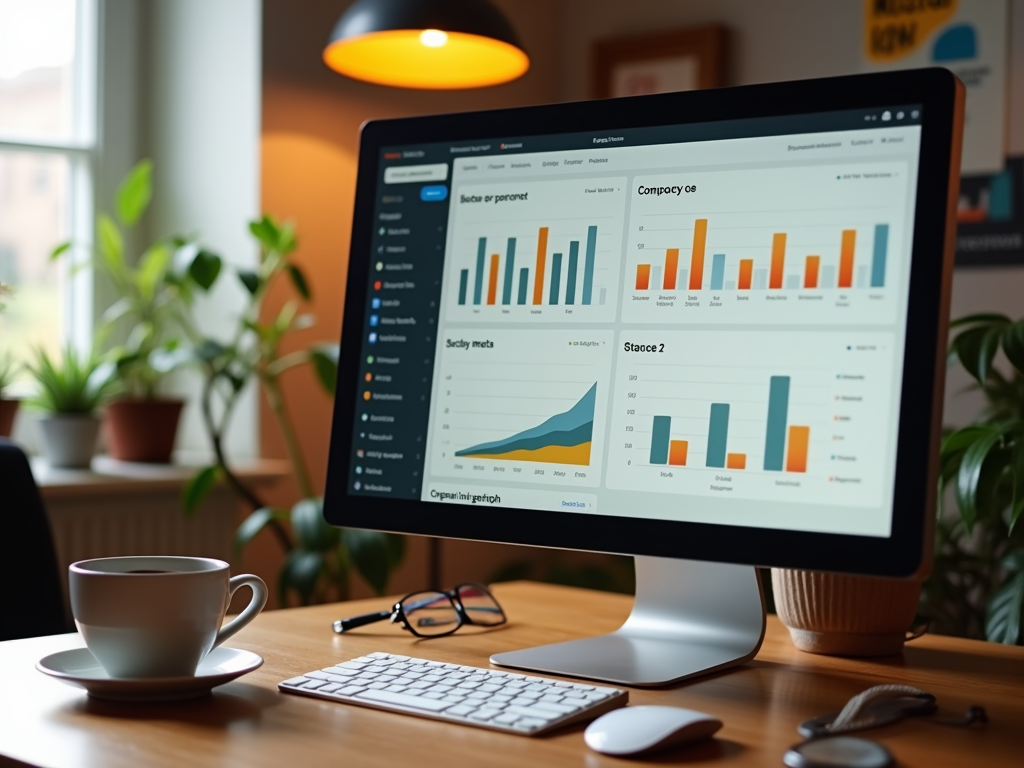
x: 700, y: 323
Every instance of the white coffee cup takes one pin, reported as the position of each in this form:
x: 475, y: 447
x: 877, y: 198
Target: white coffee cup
x: 147, y: 617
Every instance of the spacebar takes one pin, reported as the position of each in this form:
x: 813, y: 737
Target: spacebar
x: 388, y: 697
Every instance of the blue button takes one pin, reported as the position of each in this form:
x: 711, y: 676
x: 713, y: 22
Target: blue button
x: 433, y: 193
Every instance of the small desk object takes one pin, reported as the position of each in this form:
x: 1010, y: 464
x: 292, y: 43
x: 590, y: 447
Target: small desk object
x: 249, y: 723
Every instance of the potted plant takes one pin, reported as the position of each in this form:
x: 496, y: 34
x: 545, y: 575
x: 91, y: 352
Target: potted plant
x: 976, y: 588
x: 319, y: 558
x: 151, y: 314
x: 8, y: 405
x: 71, y: 392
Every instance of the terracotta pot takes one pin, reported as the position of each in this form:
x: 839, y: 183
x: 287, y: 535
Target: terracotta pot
x: 69, y: 440
x: 842, y: 615
x: 7, y: 410
x: 142, y: 430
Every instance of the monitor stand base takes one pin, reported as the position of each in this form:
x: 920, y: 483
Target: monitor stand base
x: 690, y: 618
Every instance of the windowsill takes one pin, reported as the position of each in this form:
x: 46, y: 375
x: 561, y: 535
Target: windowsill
x: 108, y: 476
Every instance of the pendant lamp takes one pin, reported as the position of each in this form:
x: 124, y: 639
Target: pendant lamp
x: 439, y: 44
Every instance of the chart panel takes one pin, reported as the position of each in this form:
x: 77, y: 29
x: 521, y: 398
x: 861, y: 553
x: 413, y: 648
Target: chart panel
x: 802, y: 417
x: 544, y: 251
x: 521, y: 406
x: 776, y: 245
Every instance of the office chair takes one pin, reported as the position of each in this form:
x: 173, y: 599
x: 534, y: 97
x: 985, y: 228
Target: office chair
x: 31, y: 602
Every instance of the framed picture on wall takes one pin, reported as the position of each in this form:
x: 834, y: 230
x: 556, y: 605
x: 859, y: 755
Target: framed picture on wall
x: 678, y: 60
x: 990, y: 217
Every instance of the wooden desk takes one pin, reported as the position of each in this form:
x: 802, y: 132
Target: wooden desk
x: 248, y: 723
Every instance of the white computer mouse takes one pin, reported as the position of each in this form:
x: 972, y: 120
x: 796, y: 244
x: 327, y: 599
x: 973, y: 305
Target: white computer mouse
x: 632, y: 730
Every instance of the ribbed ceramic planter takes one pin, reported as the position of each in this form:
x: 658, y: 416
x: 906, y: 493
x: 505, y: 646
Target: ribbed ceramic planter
x: 842, y: 615
x: 69, y: 441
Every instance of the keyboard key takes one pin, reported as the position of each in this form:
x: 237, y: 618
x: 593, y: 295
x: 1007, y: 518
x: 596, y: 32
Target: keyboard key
x: 378, y: 655
x: 559, y: 708
x: 536, y: 712
x: 353, y: 665
x: 484, y: 714
x: 312, y: 685
x: 479, y: 695
x: 295, y: 681
x: 550, y: 697
x: 352, y: 690
x: 460, y: 709
x: 530, y: 724
x: 414, y: 702
x: 330, y: 688
x: 340, y: 671
x: 506, y: 719
x: 490, y: 687
x: 394, y: 689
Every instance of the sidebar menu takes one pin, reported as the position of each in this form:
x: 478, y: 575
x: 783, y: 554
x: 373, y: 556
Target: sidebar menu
x: 399, y: 331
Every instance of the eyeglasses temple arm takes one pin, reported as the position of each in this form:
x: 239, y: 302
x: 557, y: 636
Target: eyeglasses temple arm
x: 344, y: 625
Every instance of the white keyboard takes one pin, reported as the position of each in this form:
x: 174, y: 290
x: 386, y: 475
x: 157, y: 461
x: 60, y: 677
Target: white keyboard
x: 489, y: 698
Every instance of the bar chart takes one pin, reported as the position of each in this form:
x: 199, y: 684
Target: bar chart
x: 736, y: 414
x: 819, y: 243
x: 521, y: 406
x: 546, y: 251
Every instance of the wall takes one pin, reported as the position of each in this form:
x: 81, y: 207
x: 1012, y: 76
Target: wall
x: 311, y: 119
x: 789, y: 40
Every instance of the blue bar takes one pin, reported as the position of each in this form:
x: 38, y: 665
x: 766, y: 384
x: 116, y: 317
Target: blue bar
x: 778, y: 414
x: 718, y: 435
x: 463, y: 284
x: 556, y: 278
x: 717, y: 271
x: 570, y: 279
x: 588, y: 265
x: 878, y: 260
x: 510, y: 257
x: 478, y: 283
x: 659, y: 439
x: 524, y: 278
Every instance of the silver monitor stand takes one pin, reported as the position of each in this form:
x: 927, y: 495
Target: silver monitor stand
x: 690, y: 618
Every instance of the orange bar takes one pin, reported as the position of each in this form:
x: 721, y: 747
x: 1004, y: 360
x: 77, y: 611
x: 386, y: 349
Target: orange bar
x: 700, y: 235
x: 811, y: 271
x: 677, y: 450
x: 746, y: 270
x: 542, y: 255
x: 736, y: 460
x: 846, y: 258
x: 778, y: 259
x: 796, y: 452
x: 643, y: 277
x: 492, y: 286
x: 671, y: 268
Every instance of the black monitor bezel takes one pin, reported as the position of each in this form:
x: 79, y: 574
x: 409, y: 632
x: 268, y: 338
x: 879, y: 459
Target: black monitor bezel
x: 907, y: 550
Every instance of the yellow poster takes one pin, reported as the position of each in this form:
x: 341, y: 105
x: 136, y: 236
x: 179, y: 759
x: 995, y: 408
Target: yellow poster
x: 966, y: 36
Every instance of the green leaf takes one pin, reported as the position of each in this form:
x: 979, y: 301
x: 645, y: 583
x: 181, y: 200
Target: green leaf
x: 970, y: 472
x: 1005, y: 608
x: 373, y: 556
x: 299, y: 281
x: 981, y: 317
x: 134, y: 193
x: 312, y: 531
x: 61, y: 249
x: 251, y: 527
x: 1013, y: 344
x: 988, y: 350
x: 151, y: 270
x: 250, y: 280
x: 325, y: 362
x: 300, y: 571
x: 205, y: 269
x: 199, y: 487
x: 1017, y: 470
x: 111, y: 244
x: 265, y: 231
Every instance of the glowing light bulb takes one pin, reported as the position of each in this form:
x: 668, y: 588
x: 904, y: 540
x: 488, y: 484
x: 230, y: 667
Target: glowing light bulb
x: 433, y: 38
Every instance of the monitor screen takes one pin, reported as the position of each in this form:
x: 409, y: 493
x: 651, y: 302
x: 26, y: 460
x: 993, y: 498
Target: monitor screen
x: 702, y: 323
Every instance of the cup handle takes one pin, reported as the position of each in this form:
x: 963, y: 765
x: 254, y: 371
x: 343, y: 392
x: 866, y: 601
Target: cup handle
x: 259, y: 599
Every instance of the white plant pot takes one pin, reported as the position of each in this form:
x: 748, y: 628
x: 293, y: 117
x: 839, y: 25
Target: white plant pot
x: 69, y: 441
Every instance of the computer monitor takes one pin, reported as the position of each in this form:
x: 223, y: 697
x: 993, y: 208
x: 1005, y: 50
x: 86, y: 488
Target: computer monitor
x: 705, y: 329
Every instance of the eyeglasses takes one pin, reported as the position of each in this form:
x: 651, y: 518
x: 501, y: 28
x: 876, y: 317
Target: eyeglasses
x: 434, y: 614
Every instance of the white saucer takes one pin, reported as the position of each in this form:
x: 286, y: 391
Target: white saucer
x: 79, y: 668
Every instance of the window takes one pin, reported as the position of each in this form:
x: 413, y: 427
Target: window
x: 47, y: 148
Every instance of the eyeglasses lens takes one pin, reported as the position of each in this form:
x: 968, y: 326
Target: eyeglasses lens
x: 480, y: 607
x: 430, y: 613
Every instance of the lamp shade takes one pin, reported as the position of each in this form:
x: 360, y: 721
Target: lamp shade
x: 439, y: 44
